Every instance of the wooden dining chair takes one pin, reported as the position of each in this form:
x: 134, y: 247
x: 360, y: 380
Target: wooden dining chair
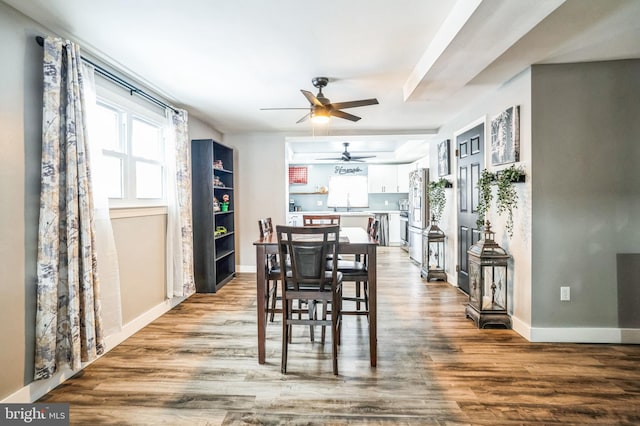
x: 322, y: 219
x: 370, y: 224
x: 311, y: 278
x: 265, y: 226
x: 356, y: 271
x: 373, y: 229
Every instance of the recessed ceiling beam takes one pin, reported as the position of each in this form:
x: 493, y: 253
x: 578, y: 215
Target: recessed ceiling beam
x: 473, y: 36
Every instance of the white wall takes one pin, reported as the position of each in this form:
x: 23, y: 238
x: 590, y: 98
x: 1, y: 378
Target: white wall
x: 261, y: 181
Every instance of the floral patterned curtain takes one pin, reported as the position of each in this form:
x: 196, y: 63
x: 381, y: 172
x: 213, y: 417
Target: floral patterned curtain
x: 180, y: 281
x: 68, y: 320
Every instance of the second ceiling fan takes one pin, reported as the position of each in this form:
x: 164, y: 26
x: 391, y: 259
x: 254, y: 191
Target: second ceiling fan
x: 346, y: 155
x: 321, y: 108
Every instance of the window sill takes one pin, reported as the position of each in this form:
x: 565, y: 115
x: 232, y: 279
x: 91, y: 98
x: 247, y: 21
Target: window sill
x: 125, y: 212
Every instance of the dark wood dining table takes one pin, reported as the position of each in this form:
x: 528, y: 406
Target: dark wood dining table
x: 353, y: 240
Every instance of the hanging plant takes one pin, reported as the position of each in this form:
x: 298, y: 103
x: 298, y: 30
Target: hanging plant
x: 506, y: 196
x: 437, y: 199
x: 485, y: 196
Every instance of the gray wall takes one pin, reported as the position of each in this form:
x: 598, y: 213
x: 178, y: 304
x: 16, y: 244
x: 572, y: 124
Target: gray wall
x: 586, y: 197
x: 515, y: 92
x: 142, y: 271
x: 20, y: 141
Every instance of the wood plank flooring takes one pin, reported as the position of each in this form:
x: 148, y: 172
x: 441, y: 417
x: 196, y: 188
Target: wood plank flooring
x: 198, y: 364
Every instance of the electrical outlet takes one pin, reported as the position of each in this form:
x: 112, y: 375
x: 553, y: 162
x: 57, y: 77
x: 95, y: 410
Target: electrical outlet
x: 319, y: 203
x: 565, y: 294
x: 386, y: 202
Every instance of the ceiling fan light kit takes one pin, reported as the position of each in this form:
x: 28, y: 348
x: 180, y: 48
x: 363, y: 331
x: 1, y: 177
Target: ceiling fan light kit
x: 320, y: 116
x: 321, y: 109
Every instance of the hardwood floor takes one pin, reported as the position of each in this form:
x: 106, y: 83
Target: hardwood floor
x: 198, y: 364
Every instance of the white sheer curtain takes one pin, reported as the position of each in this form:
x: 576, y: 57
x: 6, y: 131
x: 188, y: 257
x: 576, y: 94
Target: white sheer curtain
x: 179, y: 250
x: 108, y: 267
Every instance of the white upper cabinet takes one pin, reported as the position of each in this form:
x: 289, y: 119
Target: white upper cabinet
x: 403, y: 176
x: 383, y: 178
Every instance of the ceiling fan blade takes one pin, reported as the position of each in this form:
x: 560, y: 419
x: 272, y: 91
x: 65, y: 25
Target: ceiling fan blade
x: 303, y: 118
x: 277, y: 109
x: 342, y: 114
x: 361, y: 157
x: 311, y: 98
x: 354, y: 104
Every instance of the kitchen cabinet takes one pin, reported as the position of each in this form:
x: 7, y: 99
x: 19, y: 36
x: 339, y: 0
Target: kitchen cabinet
x: 213, y: 223
x: 403, y: 176
x: 294, y: 219
x: 394, y: 229
x: 383, y: 178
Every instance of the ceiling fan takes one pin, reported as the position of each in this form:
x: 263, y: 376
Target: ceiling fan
x: 320, y: 108
x: 346, y: 155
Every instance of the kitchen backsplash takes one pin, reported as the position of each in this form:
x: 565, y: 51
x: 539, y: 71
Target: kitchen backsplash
x: 377, y: 202
x: 305, y: 196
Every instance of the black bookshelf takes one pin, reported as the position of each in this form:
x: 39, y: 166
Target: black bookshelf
x: 213, y: 229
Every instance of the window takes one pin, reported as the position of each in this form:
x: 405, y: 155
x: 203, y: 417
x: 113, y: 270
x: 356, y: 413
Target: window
x: 348, y: 191
x: 131, y: 136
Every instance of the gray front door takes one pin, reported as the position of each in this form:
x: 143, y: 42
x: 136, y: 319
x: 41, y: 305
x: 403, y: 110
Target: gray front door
x: 470, y: 152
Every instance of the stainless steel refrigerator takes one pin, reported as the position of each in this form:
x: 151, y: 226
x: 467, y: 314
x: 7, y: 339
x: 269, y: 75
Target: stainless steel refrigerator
x: 418, y: 211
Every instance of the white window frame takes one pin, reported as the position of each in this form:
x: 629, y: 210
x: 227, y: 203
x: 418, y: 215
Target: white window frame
x: 129, y: 108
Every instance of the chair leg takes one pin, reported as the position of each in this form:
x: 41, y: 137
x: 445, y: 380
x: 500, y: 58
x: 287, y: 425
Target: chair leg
x: 267, y: 298
x: 339, y: 302
x: 312, y: 315
x: 358, y: 295
x: 366, y: 296
x: 324, y: 317
x: 335, y: 331
x: 274, y: 296
x: 286, y: 328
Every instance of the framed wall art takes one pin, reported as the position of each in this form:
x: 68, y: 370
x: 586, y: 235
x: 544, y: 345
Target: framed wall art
x: 443, y: 158
x: 505, y: 136
x: 298, y: 175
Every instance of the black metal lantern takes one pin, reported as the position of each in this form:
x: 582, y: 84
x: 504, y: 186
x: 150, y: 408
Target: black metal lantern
x: 488, y: 282
x: 433, y: 253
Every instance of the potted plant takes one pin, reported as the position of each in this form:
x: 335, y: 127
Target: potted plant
x: 506, y: 196
x: 484, y: 196
x: 437, y: 199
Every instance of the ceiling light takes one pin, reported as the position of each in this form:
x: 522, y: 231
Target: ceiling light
x: 320, y: 115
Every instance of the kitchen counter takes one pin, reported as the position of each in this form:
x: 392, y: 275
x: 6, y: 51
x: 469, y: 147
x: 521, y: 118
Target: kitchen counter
x: 349, y: 213
x: 356, y: 218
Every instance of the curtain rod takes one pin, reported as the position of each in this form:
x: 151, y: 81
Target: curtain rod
x: 114, y: 78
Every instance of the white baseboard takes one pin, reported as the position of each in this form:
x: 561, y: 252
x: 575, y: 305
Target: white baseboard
x: 521, y: 328
x: 585, y: 335
x: 626, y: 336
x: 37, y: 389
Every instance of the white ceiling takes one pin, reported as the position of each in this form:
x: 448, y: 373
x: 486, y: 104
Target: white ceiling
x: 422, y: 59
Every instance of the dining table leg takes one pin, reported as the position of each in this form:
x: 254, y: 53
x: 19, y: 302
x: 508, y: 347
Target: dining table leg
x: 373, y: 304
x: 261, y: 280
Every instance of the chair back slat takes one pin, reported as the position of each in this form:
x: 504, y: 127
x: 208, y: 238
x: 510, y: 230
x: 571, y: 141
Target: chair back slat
x: 373, y: 229
x: 323, y: 219
x: 265, y: 226
x: 306, y: 248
